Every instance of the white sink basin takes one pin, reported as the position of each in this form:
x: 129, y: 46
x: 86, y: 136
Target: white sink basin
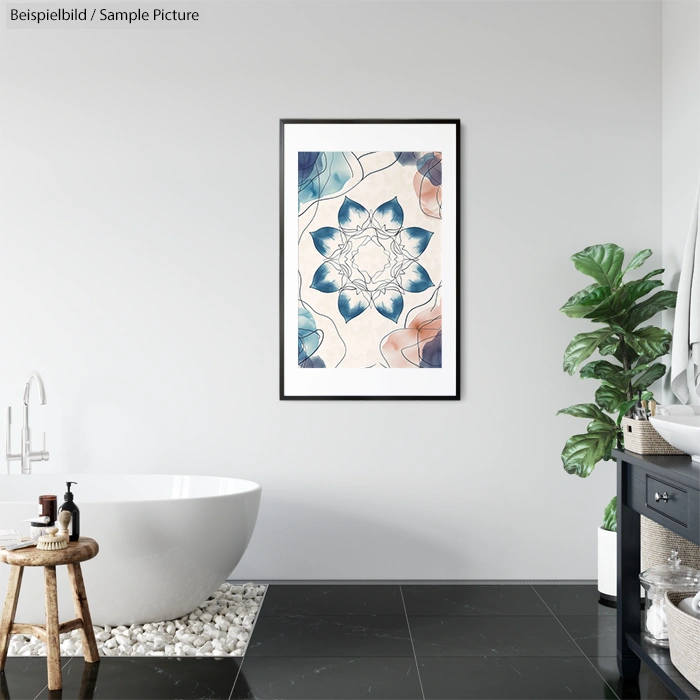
x: 683, y: 432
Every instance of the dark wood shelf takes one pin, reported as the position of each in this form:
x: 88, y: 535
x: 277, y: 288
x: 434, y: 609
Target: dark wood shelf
x: 658, y: 660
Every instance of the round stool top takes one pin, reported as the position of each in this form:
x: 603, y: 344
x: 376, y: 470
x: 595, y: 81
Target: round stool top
x: 74, y: 553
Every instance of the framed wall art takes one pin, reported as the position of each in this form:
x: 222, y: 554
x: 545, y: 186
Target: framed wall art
x: 369, y: 278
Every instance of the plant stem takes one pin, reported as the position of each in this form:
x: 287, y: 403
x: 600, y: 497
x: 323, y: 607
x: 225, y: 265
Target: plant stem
x: 625, y: 364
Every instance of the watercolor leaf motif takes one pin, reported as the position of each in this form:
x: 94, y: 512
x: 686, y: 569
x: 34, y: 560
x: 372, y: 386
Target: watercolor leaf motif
x: 370, y: 259
x: 427, y: 182
x: 310, y: 339
x: 321, y: 174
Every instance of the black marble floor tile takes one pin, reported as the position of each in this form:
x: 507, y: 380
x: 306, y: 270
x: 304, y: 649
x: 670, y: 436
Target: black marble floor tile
x: 595, y: 634
x: 490, y: 636
x: 473, y: 600
x: 24, y: 678
x: 332, y: 600
x: 324, y: 678
x: 508, y: 678
x: 318, y: 636
x: 148, y: 678
x: 648, y: 687
x: 573, y: 600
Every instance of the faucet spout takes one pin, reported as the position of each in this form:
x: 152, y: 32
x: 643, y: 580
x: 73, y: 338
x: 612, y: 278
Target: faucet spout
x: 39, y: 385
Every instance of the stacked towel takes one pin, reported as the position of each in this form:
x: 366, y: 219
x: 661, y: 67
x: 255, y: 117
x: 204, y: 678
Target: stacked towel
x: 691, y: 606
x: 678, y: 410
x: 685, y: 354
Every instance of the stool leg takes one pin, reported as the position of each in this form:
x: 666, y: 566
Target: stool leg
x: 8, y: 612
x: 53, y: 644
x: 82, y: 610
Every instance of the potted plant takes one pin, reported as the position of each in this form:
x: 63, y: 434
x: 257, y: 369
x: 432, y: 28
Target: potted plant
x: 607, y: 555
x: 618, y: 308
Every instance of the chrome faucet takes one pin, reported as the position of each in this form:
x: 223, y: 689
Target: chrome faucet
x: 26, y: 456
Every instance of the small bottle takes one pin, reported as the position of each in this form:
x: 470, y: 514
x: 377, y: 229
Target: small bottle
x: 69, y: 505
x: 47, y: 508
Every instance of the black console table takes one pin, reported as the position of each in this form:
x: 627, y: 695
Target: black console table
x: 665, y: 489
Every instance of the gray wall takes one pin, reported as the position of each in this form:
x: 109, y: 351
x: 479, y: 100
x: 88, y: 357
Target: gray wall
x: 138, y: 265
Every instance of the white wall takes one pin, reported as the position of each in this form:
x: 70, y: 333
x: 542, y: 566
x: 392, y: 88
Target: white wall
x: 138, y: 265
x: 680, y: 135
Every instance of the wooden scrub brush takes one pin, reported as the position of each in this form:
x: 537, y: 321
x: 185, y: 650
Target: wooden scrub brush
x: 52, y: 541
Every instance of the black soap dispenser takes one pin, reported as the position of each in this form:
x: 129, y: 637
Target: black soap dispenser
x: 69, y: 505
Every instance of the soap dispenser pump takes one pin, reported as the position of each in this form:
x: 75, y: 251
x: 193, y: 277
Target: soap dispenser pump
x: 69, y: 505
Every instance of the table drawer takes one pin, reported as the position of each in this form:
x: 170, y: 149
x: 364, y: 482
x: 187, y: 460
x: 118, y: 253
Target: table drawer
x: 668, y: 500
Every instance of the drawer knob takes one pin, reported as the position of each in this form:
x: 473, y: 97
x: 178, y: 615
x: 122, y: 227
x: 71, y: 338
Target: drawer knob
x: 661, y: 497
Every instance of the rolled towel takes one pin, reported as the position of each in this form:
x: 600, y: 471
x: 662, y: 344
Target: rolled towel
x: 678, y: 410
x: 656, y: 621
x: 691, y: 606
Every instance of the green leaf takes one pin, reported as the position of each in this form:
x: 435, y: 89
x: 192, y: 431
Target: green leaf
x: 624, y: 407
x: 601, y: 262
x: 610, y: 397
x: 649, y: 342
x: 610, y: 346
x: 582, y: 452
x: 648, y: 308
x: 653, y: 273
x: 608, y: 372
x: 582, y: 347
x: 610, y: 516
x: 600, y: 369
x: 637, y: 289
x: 617, y: 303
x: 637, y: 261
x: 602, y: 426
x: 587, y: 410
x: 649, y: 376
x: 580, y: 303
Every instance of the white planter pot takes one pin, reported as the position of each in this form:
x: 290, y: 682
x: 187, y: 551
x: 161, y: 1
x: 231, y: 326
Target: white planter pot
x: 607, y: 566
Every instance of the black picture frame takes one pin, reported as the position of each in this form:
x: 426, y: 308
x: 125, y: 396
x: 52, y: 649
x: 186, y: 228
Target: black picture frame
x: 458, y: 273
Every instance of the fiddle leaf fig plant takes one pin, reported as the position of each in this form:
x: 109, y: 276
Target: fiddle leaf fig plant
x: 627, y: 350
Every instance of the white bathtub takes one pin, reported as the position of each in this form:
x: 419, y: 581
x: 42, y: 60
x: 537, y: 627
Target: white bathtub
x: 166, y: 542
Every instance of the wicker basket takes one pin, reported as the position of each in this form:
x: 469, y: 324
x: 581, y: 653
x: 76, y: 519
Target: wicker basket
x: 641, y: 437
x: 683, y: 638
x: 658, y: 541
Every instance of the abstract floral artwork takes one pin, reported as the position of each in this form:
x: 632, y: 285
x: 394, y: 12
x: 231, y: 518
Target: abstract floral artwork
x: 370, y: 251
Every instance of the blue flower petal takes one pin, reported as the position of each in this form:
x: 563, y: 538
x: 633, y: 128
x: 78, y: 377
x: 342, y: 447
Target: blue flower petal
x: 351, y: 303
x: 415, y: 278
x: 328, y: 240
x: 327, y: 278
x: 389, y: 303
x: 351, y: 215
x: 389, y: 215
x: 415, y: 240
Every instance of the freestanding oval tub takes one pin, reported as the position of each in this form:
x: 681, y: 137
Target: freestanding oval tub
x: 166, y: 542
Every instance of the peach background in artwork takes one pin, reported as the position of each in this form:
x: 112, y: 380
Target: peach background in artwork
x: 363, y: 334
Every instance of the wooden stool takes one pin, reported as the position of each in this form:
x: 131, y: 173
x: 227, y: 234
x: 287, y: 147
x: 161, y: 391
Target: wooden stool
x: 82, y: 550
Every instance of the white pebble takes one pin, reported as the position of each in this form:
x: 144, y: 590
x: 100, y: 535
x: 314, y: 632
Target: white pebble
x: 221, y: 626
